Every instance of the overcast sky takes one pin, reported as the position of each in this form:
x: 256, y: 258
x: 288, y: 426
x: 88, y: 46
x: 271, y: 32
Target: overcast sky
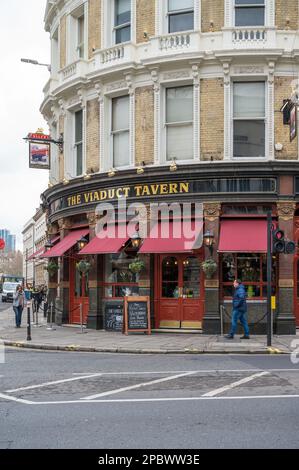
x: 21, y: 35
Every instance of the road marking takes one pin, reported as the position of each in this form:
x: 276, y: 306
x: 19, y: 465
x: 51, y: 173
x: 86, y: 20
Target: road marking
x: 19, y: 400
x: 46, y: 384
x: 234, y: 384
x: 201, y: 371
x: 133, y: 387
x: 149, y: 400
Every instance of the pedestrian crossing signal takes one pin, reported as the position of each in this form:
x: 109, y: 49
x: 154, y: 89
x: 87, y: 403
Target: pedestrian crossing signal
x: 282, y: 246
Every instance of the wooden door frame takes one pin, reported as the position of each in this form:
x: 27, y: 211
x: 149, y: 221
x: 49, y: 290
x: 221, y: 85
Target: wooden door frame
x: 72, y: 277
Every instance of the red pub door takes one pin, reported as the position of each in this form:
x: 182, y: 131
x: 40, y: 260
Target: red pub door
x: 179, y: 292
x: 78, y: 294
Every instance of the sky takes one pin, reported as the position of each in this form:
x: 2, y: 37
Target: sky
x: 22, y: 34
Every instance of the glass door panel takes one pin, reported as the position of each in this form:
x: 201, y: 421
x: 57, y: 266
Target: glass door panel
x: 191, y: 278
x: 170, y: 278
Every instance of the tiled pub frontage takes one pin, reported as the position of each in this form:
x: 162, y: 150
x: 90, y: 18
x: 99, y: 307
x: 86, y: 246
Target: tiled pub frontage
x: 183, y: 294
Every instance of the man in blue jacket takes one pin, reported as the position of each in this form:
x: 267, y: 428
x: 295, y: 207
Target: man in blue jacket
x: 239, y: 311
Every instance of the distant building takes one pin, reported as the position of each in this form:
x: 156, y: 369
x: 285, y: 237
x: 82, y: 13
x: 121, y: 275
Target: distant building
x: 10, y: 240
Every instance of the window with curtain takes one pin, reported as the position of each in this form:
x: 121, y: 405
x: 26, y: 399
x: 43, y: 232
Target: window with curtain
x: 179, y: 123
x: 249, y: 12
x: 122, y: 21
x: 79, y: 142
x: 121, y: 131
x: 180, y: 15
x: 249, y: 119
x: 80, y: 45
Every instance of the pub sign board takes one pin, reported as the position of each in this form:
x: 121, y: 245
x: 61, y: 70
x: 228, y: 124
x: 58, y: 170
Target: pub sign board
x: 137, y: 315
x: 113, y: 316
x: 39, y: 155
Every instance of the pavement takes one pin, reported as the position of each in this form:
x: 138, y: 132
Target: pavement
x: 73, y: 338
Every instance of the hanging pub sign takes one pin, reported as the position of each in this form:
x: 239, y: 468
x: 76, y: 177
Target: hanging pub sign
x: 293, y: 123
x: 40, y: 149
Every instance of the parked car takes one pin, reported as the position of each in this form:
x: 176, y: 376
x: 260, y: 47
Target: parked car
x: 8, y: 290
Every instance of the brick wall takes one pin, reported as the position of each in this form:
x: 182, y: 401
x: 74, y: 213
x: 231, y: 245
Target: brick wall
x: 60, y: 155
x: 212, y: 11
x: 286, y: 14
x: 282, y: 133
x: 145, y: 19
x: 212, y: 119
x: 63, y: 42
x: 94, y: 26
x: 93, y: 136
x: 144, y: 130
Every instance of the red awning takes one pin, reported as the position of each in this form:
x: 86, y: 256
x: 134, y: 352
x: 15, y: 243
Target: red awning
x: 243, y: 236
x: 41, y: 251
x: 170, y: 237
x: 66, y: 243
x: 98, y: 245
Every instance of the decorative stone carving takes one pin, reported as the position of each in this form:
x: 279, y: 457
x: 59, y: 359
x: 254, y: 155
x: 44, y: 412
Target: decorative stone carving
x: 116, y: 86
x: 286, y: 210
x: 176, y: 75
x: 92, y: 218
x: 212, y: 211
x: 155, y: 79
x: 249, y: 69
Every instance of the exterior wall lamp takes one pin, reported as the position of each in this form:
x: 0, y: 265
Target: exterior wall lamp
x: 82, y: 243
x: 48, y: 245
x: 209, y: 241
x: 136, y: 240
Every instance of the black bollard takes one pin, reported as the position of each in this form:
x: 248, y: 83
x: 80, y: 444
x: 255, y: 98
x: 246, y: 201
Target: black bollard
x: 28, y: 324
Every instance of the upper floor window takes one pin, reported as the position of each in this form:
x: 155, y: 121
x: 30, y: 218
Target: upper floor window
x: 180, y: 15
x: 79, y: 142
x: 249, y: 119
x: 122, y: 21
x: 249, y: 12
x: 179, y: 123
x: 80, y: 36
x: 121, y: 131
x: 55, y: 52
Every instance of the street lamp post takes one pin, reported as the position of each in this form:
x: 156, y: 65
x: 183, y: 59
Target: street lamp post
x: 35, y: 62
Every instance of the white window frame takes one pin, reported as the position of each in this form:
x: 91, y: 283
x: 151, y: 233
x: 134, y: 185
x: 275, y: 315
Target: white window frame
x: 77, y: 143
x: 118, y: 27
x: 162, y: 17
x: 163, y: 147
x: 70, y: 161
x: 54, y: 170
x: 73, y: 33
x: 266, y: 118
x: 230, y: 15
x: 55, y: 51
x: 177, y: 12
x: 108, y: 24
x: 113, y: 133
x: 251, y: 6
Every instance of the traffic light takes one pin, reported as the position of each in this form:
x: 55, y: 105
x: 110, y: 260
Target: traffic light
x: 281, y: 245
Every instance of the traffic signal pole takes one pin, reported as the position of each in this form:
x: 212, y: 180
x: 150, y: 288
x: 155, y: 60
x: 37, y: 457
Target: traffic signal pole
x: 269, y: 280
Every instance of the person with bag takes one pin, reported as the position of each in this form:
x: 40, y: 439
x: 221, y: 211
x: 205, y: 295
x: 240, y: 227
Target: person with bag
x: 19, y: 301
x: 239, y: 311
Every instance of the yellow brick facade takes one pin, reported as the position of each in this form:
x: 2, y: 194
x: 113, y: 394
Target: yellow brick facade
x: 144, y: 125
x: 282, y: 132
x: 211, y: 119
x: 61, y: 155
x: 94, y: 23
x: 145, y: 19
x: 287, y: 14
x: 63, y: 42
x: 93, y: 136
x: 212, y: 15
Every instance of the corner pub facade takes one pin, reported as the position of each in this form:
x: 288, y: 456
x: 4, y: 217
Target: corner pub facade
x: 173, y: 101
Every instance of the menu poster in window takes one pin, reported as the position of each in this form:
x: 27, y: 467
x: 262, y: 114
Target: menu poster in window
x: 114, y: 316
x: 137, y: 315
x: 293, y: 123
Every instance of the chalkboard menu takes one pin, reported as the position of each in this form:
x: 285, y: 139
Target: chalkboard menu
x: 114, y: 316
x: 137, y: 315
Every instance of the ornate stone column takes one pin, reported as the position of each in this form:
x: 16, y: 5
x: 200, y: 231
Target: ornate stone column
x: 95, y: 313
x: 211, y: 323
x: 285, y: 319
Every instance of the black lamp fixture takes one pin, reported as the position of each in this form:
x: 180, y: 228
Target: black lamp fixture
x: 82, y: 243
x: 48, y: 245
x: 136, y: 240
x: 209, y: 240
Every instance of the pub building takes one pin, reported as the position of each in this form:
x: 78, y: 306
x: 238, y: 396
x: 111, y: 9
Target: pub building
x: 182, y: 111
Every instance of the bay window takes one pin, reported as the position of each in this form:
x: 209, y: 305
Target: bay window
x: 249, y: 12
x: 179, y: 123
x: 122, y: 21
x: 121, y: 131
x: 180, y: 15
x: 249, y: 119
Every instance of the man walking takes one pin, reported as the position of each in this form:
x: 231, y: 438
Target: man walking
x: 239, y: 311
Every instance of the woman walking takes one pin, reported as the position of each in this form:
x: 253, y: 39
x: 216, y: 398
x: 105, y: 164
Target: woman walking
x: 18, y: 305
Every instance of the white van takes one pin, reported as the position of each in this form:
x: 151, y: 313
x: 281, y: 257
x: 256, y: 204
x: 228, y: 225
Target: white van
x: 8, y: 290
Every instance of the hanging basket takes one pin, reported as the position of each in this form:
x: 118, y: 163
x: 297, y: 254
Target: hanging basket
x: 137, y: 266
x: 209, y: 267
x: 52, y: 268
x: 83, y: 267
